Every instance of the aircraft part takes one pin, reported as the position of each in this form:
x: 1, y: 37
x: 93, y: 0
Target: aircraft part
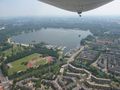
x: 77, y: 5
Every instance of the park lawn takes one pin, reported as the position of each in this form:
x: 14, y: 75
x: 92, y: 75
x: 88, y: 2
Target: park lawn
x: 15, y: 49
x: 19, y: 65
x: 41, y: 62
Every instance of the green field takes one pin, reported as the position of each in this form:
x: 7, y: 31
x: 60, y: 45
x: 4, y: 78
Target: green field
x: 19, y: 65
x: 13, y: 50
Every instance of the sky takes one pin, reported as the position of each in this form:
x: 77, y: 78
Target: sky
x: 11, y: 8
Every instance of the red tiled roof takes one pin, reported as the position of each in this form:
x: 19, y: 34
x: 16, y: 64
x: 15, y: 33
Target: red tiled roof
x: 29, y: 65
x: 49, y: 59
x: 1, y: 87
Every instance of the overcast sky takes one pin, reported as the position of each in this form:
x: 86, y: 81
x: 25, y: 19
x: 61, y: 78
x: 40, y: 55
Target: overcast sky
x: 36, y: 8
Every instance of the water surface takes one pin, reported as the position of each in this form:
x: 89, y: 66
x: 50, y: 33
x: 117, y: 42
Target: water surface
x: 61, y: 37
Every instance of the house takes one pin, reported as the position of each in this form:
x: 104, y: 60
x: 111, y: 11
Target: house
x: 1, y: 87
x: 49, y: 59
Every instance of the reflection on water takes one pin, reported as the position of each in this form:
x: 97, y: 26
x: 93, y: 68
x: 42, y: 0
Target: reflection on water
x: 61, y: 37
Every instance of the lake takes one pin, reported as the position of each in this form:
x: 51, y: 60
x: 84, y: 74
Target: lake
x: 54, y: 36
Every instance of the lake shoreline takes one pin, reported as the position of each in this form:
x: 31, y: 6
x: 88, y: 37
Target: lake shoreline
x: 60, y: 37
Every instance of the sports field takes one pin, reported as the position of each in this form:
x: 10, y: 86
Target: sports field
x: 22, y: 64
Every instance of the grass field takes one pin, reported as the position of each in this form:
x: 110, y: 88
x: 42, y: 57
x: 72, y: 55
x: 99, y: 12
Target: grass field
x: 19, y: 65
x: 13, y: 50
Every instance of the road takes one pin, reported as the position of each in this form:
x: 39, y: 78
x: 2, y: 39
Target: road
x: 71, y: 59
x: 4, y: 81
